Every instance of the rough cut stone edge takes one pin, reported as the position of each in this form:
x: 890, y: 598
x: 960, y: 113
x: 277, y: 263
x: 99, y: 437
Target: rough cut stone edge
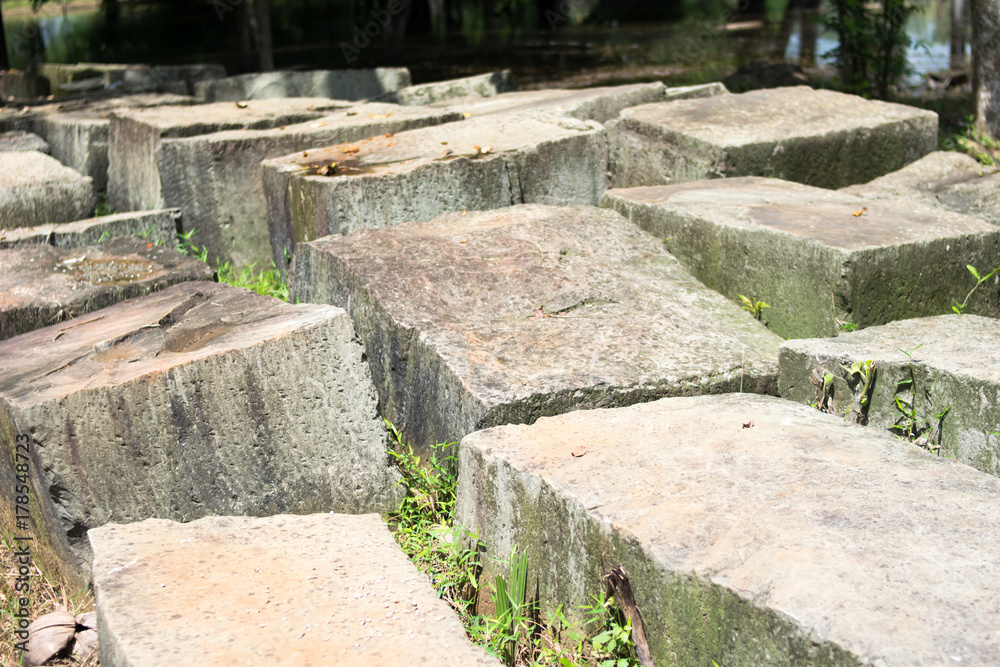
x: 159, y: 227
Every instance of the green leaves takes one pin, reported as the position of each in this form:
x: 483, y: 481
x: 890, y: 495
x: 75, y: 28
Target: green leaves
x: 959, y: 308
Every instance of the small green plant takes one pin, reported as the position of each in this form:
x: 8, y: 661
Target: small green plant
x: 269, y: 282
x: 910, y: 425
x: 861, y: 379
x: 847, y: 326
x: 103, y: 207
x: 613, y: 645
x: 824, y: 390
x: 959, y: 308
x: 512, y: 625
x: 755, y: 308
x: 973, y: 143
x: 186, y: 247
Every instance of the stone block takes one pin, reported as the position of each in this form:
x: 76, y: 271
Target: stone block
x: 945, y: 368
x: 20, y: 140
x: 816, y: 137
x: 323, y: 589
x: 41, y: 285
x: 215, y: 178
x: 135, y: 136
x: 352, y: 84
x: 753, y: 531
x: 481, y: 163
x: 946, y: 180
x: 820, y: 259
x: 600, y: 104
x: 36, y: 189
x: 201, y: 399
x: 485, y: 318
x: 78, y: 133
x: 70, y: 78
x: 481, y: 85
x: 159, y: 227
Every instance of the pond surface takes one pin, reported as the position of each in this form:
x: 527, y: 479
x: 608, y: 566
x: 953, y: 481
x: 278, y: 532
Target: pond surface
x: 688, y: 42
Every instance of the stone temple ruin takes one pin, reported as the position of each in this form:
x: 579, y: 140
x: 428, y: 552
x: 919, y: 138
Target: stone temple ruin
x: 625, y: 304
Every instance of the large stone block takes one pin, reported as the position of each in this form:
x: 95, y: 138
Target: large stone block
x: 600, y: 104
x: 78, y: 132
x: 41, y: 285
x: 481, y: 85
x: 201, y: 399
x: 67, y: 79
x: 159, y: 227
x: 482, y: 163
x: 323, y: 589
x: 36, y: 189
x: 754, y: 531
x: 947, y: 180
x: 215, y: 178
x: 135, y: 136
x: 20, y: 140
x: 820, y: 258
x: 351, y: 84
x: 816, y: 137
x: 943, y: 369
x: 497, y: 317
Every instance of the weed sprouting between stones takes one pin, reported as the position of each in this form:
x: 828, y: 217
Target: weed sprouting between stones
x: 424, y: 528
x: 268, y: 282
x: 959, y: 308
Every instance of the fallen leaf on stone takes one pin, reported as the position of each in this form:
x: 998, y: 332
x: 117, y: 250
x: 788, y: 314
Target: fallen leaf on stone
x: 305, y: 154
x: 446, y: 151
x: 579, y: 451
x: 351, y: 113
x: 241, y: 105
x: 380, y: 115
x: 318, y: 124
x: 350, y: 150
x: 858, y: 214
x: 466, y: 114
x: 540, y: 313
x: 748, y: 425
x: 444, y: 143
x: 49, y: 635
x: 148, y: 246
x: 388, y: 135
x: 326, y: 169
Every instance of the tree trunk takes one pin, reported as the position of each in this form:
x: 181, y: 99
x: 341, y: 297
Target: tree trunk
x: 957, y: 34
x: 4, y: 60
x: 986, y: 65
x: 261, y: 32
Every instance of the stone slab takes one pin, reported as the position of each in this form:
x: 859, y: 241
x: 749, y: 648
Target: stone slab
x: 159, y: 227
x: 135, y: 136
x: 482, y: 163
x: 955, y: 367
x: 481, y: 85
x: 215, y: 178
x: 947, y: 180
x: 41, y: 285
x: 201, y: 399
x: 36, y: 189
x: 69, y: 78
x: 754, y: 531
x: 600, y: 104
x: 78, y: 132
x: 20, y: 140
x: 817, y: 257
x: 322, y: 589
x: 355, y: 84
x: 448, y: 312
x: 816, y: 137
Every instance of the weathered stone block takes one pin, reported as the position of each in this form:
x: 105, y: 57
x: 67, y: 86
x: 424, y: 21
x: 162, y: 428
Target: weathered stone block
x: 75, y: 77
x: 947, y: 180
x: 482, y: 163
x: 159, y: 227
x: 215, y: 178
x: 481, y: 85
x: 944, y: 367
x: 20, y: 140
x: 816, y: 137
x: 36, y: 189
x: 201, y: 399
x: 819, y: 258
x: 754, y: 531
x: 324, y: 589
x: 497, y: 317
x: 600, y: 104
x: 352, y: 84
x: 79, y: 135
x: 135, y: 136
x: 41, y: 284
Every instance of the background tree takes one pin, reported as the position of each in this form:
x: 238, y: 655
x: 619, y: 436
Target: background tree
x: 986, y: 66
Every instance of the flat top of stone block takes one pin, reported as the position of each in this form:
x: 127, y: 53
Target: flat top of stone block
x: 775, y: 114
x: 931, y: 172
x: 530, y: 100
x: 22, y: 141
x: 253, y: 113
x: 857, y: 538
x: 476, y: 138
x: 40, y: 233
x: 185, y: 322
x: 615, y: 307
x: 30, y: 168
x: 961, y: 345
x: 321, y: 589
x: 832, y: 218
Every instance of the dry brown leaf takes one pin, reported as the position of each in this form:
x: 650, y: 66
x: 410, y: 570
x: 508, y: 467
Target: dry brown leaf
x: 748, y: 425
x: 858, y: 214
x: 241, y: 105
x: 350, y: 150
x: 380, y: 115
x: 305, y: 154
x: 579, y: 451
x: 388, y: 135
x: 446, y: 151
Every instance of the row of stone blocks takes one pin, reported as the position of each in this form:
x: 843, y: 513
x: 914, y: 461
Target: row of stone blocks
x: 153, y: 406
